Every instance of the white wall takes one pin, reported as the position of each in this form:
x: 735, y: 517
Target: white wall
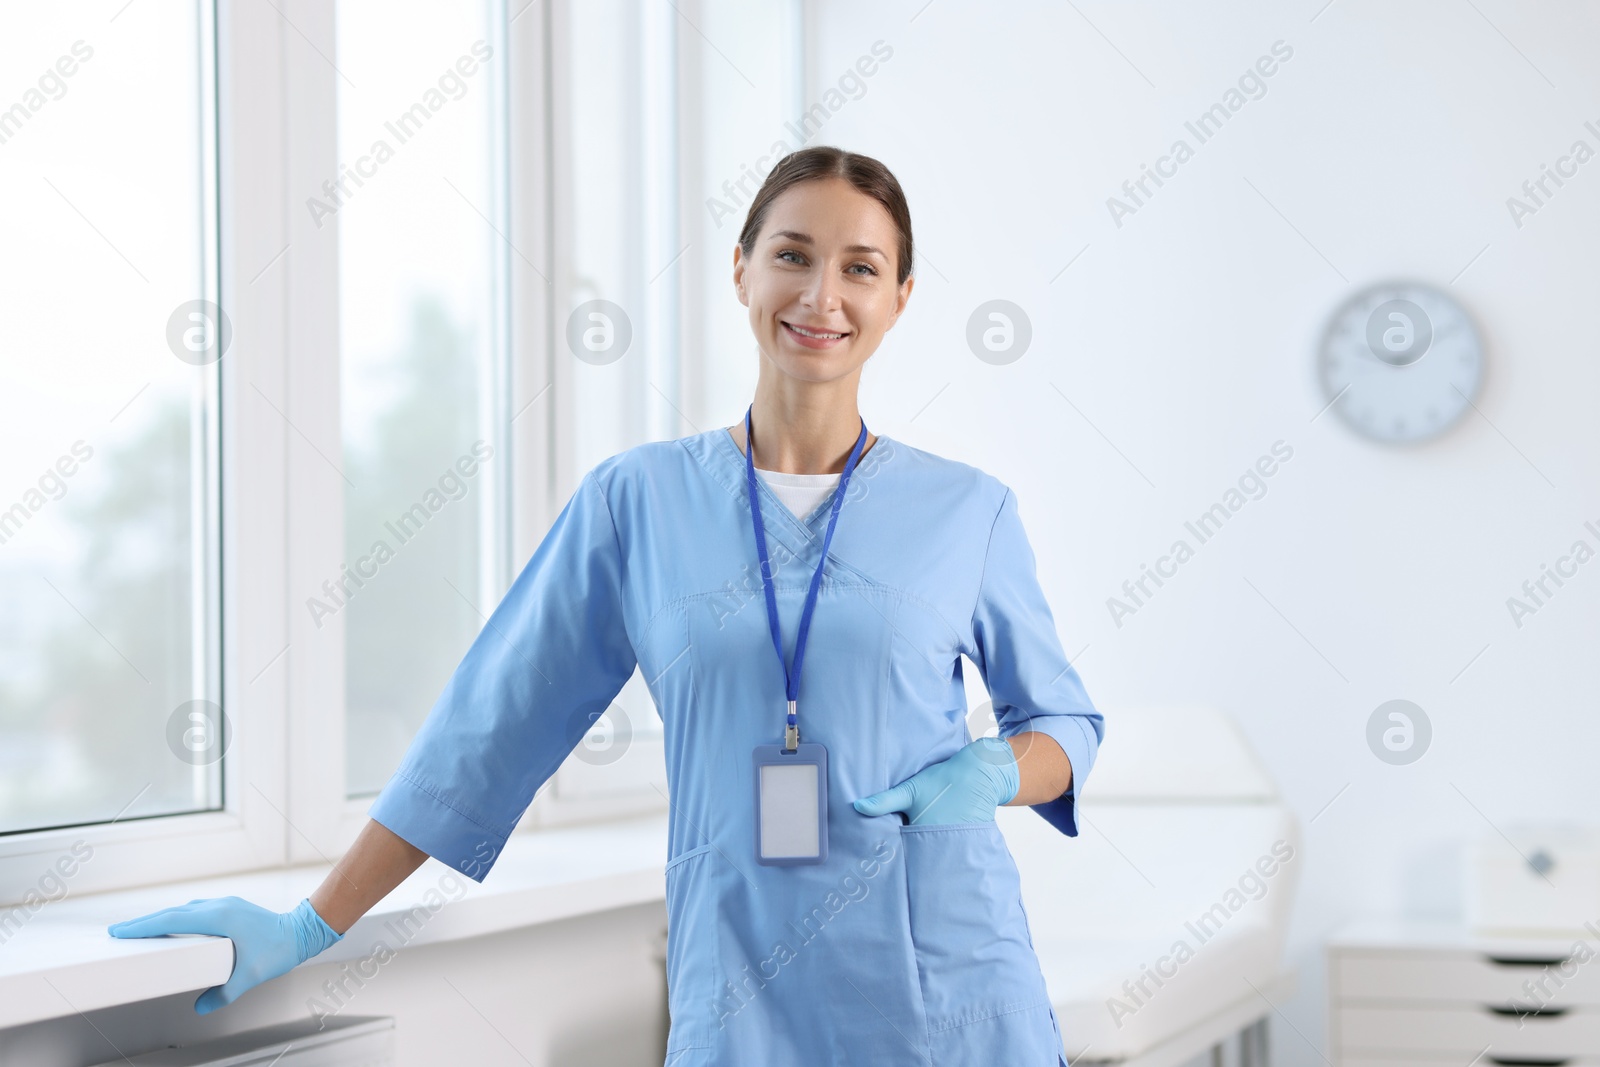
x: 1185, y: 341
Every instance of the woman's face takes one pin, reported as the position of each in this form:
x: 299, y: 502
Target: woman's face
x: 823, y: 263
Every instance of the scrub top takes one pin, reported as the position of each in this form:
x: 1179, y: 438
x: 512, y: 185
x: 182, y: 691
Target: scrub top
x: 910, y: 944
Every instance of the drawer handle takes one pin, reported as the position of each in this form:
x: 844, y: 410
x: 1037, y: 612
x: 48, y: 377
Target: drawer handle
x: 1528, y: 1061
x: 1526, y: 1013
x: 1527, y: 961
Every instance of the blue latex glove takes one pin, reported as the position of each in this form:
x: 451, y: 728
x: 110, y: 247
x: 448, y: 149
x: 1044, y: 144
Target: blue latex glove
x: 265, y: 943
x: 967, y: 787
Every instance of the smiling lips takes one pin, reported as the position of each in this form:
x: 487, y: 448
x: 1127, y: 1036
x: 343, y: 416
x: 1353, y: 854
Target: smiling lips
x: 814, y: 338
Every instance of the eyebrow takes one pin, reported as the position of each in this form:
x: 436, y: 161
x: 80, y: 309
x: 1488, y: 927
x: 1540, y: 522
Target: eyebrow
x: 805, y: 239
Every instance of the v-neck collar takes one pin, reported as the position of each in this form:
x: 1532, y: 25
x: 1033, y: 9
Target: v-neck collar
x: 726, y: 463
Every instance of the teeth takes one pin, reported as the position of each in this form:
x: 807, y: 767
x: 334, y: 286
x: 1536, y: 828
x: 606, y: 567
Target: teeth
x: 812, y: 333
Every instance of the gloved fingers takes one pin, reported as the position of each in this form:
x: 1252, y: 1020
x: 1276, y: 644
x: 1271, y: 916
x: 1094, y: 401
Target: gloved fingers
x: 212, y: 999
x: 217, y: 916
x: 221, y: 995
x: 919, y: 811
x: 896, y: 798
x: 178, y: 919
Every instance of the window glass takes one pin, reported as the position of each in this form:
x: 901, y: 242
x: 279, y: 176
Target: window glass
x: 109, y: 640
x: 415, y: 204
x: 619, y: 255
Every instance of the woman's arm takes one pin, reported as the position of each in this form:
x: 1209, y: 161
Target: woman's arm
x: 378, y: 861
x: 1033, y: 685
x: 1044, y: 768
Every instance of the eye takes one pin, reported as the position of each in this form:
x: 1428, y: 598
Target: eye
x: 870, y: 268
x: 789, y: 252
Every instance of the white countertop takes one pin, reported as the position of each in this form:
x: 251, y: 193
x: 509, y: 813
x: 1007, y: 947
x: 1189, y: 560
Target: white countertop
x: 1391, y: 932
x: 61, y: 961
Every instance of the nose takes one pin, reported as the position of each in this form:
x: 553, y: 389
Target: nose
x: 821, y: 293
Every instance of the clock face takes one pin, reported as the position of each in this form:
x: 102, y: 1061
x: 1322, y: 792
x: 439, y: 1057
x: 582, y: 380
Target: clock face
x: 1403, y: 359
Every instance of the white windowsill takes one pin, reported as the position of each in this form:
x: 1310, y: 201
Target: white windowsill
x: 61, y: 961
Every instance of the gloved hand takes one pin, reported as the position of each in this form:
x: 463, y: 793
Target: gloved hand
x: 265, y: 943
x: 967, y: 787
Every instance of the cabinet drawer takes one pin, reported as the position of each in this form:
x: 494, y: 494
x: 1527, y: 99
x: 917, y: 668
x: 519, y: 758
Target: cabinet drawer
x: 1462, y: 977
x: 1374, y: 1031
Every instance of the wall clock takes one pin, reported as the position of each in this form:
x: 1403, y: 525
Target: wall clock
x: 1404, y: 360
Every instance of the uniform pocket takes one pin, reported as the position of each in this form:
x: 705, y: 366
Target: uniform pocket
x: 691, y: 949
x: 975, y: 958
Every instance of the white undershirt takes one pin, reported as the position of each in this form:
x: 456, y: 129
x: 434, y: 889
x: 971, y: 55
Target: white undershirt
x: 800, y: 493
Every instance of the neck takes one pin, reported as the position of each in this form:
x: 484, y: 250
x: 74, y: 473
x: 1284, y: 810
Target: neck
x: 803, y: 427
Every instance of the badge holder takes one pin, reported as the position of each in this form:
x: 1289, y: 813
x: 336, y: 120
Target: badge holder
x: 791, y: 804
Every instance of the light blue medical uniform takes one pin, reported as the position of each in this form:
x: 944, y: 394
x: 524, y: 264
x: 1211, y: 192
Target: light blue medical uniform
x: 910, y: 944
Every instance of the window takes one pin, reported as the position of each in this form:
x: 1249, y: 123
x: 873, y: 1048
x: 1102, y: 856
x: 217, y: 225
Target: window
x: 315, y: 319
x: 109, y: 437
x: 618, y: 252
x: 420, y: 351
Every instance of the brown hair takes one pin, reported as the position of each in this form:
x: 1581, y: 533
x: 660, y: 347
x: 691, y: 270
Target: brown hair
x: 866, y: 174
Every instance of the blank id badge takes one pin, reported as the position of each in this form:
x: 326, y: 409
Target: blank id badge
x: 791, y: 804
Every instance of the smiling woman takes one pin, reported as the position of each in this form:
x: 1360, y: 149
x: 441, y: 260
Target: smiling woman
x: 823, y: 266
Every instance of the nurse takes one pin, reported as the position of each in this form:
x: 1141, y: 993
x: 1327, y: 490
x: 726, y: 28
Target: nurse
x: 798, y: 593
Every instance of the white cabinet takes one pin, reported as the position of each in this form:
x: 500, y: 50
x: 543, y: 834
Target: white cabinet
x: 353, y: 1041
x: 1407, y: 994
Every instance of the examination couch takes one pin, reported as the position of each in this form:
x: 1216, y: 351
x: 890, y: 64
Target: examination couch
x: 1161, y: 927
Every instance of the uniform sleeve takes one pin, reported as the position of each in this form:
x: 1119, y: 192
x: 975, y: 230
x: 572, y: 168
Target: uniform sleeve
x: 549, y: 661
x: 1020, y: 657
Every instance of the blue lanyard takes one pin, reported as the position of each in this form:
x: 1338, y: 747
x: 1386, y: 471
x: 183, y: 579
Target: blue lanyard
x: 792, y: 678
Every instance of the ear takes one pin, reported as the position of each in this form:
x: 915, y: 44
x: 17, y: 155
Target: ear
x: 738, y: 274
x: 900, y: 302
